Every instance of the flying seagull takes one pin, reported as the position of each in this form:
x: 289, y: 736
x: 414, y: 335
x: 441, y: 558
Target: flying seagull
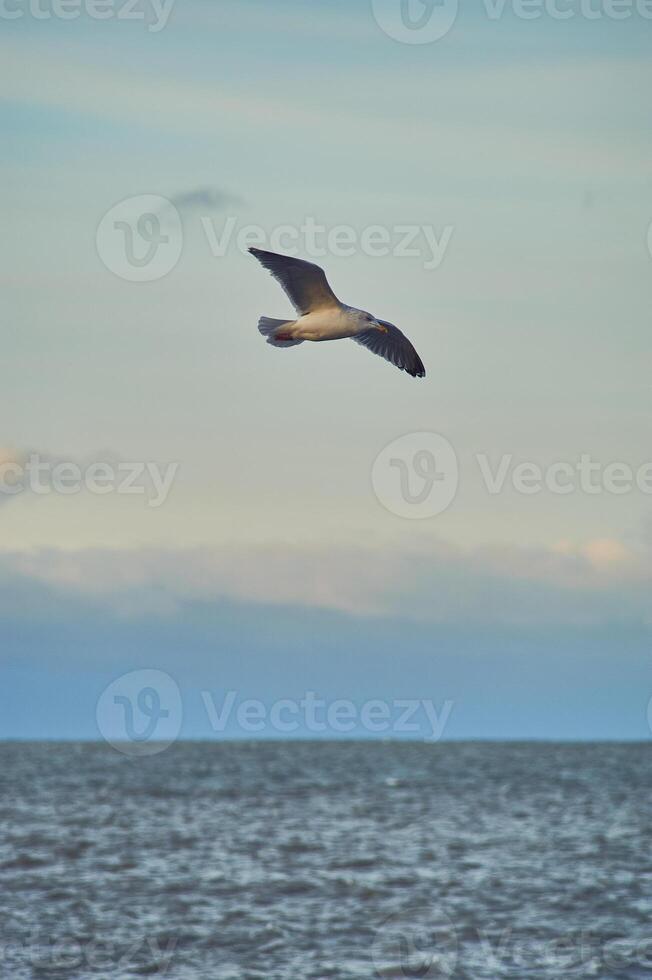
x: 321, y: 316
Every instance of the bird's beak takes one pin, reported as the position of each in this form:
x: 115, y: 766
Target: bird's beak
x: 381, y: 327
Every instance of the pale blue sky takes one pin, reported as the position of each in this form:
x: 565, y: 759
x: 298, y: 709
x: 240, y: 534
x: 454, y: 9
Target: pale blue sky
x: 532, y: 141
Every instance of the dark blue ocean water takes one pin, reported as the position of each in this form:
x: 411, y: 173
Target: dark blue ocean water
x: 297, y: 860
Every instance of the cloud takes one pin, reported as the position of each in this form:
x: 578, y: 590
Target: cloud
x: 73, y: 623
x: 600, y: 553
x: 205, y: 199
x: 595, y: 582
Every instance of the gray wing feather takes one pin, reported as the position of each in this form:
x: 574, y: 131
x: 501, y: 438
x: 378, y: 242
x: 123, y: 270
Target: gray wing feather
x: 394, y: 347
x: 304, y: 283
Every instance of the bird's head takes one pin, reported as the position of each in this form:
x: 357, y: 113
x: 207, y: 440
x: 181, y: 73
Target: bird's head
x: 370, y: 322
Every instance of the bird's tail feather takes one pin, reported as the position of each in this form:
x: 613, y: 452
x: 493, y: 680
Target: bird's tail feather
x: 269, y: 327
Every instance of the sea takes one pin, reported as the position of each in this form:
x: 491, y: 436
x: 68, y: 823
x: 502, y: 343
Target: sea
x: 296, y: 860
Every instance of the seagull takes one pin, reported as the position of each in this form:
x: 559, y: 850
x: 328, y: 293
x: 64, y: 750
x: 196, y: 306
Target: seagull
x: 321, y: 316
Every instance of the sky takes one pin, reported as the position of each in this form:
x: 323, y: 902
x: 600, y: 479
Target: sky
x: 503, y: 168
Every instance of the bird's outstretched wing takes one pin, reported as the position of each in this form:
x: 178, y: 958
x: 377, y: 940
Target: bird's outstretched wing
x: 394, y: 347
x: 304, y: 283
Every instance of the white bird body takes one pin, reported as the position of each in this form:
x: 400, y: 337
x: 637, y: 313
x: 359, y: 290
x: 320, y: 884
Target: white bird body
x: 328, y: 323
x: 321, y: 316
